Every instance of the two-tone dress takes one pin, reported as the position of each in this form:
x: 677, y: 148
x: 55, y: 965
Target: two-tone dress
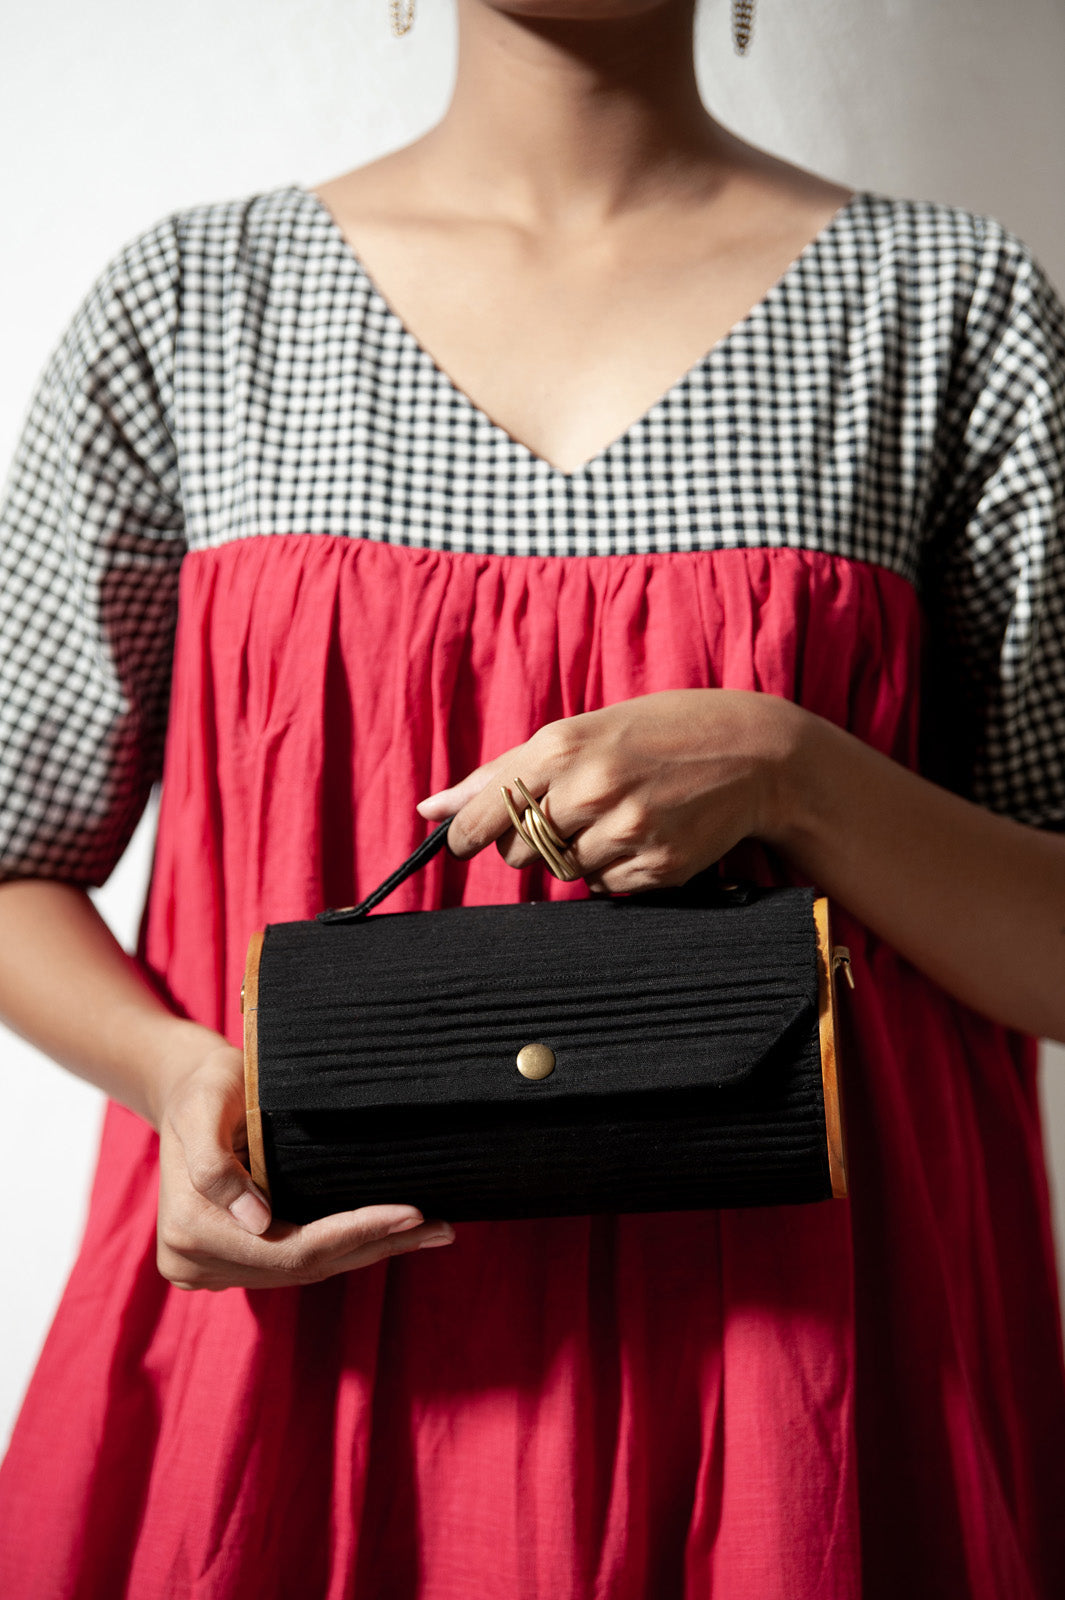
x: 256, y: 544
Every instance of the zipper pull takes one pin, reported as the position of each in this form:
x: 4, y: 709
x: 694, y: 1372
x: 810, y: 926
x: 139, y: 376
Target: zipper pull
x: 841, y: 957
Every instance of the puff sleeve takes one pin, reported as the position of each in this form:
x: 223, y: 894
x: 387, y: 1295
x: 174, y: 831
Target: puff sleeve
x: 91, y: 540
x: 995, y: 571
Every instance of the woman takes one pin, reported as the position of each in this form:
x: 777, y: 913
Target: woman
x: 406, y: 462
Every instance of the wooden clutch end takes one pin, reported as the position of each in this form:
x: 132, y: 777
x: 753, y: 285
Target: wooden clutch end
x: 828, y: 1021
x: 249, y: 1004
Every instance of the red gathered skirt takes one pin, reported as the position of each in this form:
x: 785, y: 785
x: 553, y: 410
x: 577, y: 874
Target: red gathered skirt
x: 797, y: 1403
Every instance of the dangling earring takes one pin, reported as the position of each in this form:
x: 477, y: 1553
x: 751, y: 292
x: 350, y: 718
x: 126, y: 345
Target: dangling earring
x: 400, y: 24
x: 742, y: 17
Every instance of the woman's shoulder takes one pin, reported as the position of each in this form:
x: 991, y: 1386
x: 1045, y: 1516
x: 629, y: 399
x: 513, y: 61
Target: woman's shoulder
x: 216, y: 232
x: 184, y: 270
x: 936, y: 226
x: 930, y: 247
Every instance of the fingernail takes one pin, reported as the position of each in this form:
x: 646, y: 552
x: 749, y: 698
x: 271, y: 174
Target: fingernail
x: 403, y: 1224
x: 251, y: 1213
x: 441, y: 1236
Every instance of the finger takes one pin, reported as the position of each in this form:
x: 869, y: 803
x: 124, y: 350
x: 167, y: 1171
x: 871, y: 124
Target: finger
x: 342, y: 1233
x: 211, y: 1255
x: 447, y: 801
x: 203, y: 1116
x: 475, y: 805
x: 483, y: 818
x: 613, y: 879
x: 656, y: 867
x: 615, y: 852
x: 586, y: 845
x: 516, y: 845
x: 430, y: 1236
x: 593, y: 843
x: 200, y: 1230
x: 515, y: 852
x: 348, y: 1240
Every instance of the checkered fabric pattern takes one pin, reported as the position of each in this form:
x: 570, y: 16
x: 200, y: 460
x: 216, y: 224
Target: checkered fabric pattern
x: 898, y: 398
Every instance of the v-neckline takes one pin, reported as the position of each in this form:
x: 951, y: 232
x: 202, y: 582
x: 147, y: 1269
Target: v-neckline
x: 494, y: 429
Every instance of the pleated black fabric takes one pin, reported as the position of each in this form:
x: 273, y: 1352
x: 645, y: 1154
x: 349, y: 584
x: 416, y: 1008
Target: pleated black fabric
x: 687, y: 1058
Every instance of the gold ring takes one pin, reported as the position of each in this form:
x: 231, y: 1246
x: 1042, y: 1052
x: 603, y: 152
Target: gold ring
x: 534, y: 827
x: 538, y: 834
x: 534, y: 806
x: 552, y: 846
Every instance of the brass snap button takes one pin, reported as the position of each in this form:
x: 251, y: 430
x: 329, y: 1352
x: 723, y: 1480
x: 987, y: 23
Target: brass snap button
x: 535, y: 1061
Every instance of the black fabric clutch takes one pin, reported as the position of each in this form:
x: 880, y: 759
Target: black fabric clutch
x: 655, y: 1052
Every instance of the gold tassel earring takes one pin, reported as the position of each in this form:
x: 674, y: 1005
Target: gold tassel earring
x: 742, y: 18
x: 400, y: 23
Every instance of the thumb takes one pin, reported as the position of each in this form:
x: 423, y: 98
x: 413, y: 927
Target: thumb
x: 205, y: 1121
x: 251, y: 1209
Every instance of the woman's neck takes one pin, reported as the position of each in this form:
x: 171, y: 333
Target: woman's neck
x: 565, y: 125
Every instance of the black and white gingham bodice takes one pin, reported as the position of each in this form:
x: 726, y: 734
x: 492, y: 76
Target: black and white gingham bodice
x: 897, y: 398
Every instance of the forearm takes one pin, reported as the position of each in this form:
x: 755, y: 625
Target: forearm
x: 975, y: 900
x: 68, y: 987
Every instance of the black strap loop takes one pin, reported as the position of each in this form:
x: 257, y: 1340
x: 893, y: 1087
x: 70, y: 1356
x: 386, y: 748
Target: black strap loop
x: 706, y: 888
x: 425, y: 852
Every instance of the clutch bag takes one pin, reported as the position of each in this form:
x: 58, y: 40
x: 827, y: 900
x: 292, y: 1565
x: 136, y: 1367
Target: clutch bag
x: 670, y: 1050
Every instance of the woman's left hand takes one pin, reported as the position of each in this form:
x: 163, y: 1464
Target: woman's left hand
x: 648, y: 791
x: 653, y: 790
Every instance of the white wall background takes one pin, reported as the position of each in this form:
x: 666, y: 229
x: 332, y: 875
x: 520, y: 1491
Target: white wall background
x: 115, y: 113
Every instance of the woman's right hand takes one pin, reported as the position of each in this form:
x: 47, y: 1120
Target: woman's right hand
x: 214, y: 1229
x: 68, y: 987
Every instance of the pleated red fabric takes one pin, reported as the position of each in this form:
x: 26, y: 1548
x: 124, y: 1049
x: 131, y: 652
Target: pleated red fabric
x: 800, y: 1403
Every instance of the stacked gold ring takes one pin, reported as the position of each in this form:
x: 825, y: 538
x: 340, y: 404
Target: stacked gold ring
x: 534, y: 827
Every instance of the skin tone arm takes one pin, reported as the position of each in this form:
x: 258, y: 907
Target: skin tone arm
x: 577, y: 124
x: 652, y: 790
x: 69, y: 987
x: 649, y: 791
